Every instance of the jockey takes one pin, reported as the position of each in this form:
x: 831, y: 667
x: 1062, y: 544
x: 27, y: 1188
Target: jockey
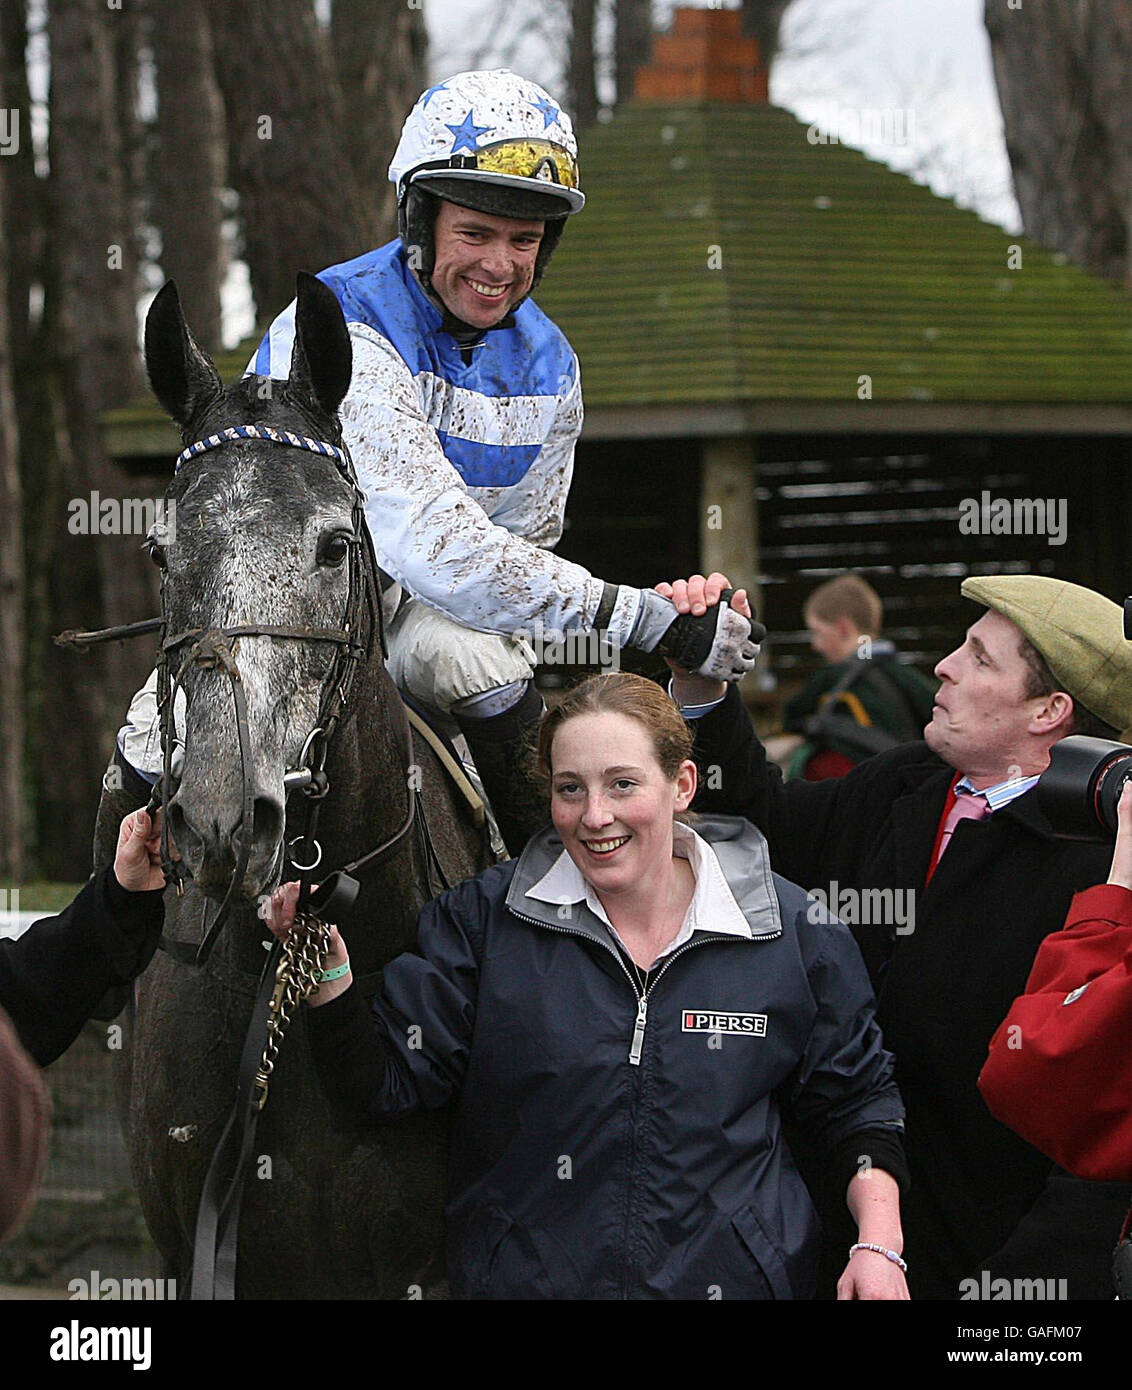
x: 462, y: 415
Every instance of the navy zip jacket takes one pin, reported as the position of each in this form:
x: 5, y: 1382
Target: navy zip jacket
x: 576, y: 1172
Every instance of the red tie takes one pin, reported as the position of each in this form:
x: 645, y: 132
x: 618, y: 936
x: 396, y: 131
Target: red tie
x: 968, y: 806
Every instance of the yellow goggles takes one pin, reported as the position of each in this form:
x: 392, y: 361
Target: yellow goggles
x: 524, y: 159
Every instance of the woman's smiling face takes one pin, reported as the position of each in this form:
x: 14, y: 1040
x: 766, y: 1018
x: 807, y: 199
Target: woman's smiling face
x: 611, y: 802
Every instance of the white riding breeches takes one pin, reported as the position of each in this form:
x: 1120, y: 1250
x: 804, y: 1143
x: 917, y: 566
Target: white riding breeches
x: 439, y: 662
x: 140, y: 737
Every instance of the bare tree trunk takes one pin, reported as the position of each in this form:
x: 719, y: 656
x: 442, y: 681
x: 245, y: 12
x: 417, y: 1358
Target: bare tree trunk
x: 380, y: 48
x: 11, y: 574
x: 301, y: 200
x: 188, y: 163
x: 1062, y: 73
x: 129, y: 34
x: 581, y: 76
x: 762, y: 20
x: 23, y: 213
x: 91, y: 204
x: 632, y: 45
x: 25, y: 222
x: 94, y: 579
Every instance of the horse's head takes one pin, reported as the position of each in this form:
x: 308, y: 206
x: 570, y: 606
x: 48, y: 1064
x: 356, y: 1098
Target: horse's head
x: 259, y: 534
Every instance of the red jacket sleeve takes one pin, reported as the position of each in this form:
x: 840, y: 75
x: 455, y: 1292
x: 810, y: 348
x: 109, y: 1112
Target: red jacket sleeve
x: 1059, y: 1070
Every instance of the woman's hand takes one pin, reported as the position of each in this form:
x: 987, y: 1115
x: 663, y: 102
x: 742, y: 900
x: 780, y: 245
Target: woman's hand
x: 696, y: 595
x: 869, y: 1275
x: 137, y: 861
x: 1121, y: 871
x: 874, y: 1199
x: 279, y: 914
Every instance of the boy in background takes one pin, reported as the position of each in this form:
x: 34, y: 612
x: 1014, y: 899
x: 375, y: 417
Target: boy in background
x: 864, y: 700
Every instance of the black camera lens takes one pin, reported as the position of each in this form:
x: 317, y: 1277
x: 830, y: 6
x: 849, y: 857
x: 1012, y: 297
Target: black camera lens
x: 1080, y: 789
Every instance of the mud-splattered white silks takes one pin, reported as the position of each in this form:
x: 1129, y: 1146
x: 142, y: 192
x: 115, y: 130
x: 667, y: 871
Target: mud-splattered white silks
x: 466, y: 467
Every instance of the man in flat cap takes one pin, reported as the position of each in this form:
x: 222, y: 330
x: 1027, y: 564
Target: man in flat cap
x: 952, y: 825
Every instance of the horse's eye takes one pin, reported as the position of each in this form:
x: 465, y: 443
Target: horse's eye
x: 333, y: 549
x: 156, y: 553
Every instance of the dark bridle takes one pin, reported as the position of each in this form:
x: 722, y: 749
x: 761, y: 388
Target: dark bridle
x: 213, y: 648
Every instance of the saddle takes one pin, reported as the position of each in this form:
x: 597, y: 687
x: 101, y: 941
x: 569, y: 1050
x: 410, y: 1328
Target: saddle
x: 423, y: 720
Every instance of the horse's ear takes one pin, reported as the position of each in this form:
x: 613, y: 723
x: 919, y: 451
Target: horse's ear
x: 322, y: 359
x: 181, y: 375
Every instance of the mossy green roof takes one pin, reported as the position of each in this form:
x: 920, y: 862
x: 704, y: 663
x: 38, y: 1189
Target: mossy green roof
x: 830, y: 266
x: 723, y: 259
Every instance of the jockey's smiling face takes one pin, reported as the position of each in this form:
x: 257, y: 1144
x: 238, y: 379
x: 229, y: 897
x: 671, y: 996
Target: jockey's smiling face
x: 484, y: 264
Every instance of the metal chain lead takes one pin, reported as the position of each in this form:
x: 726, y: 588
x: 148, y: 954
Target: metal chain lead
x: 296, y: 978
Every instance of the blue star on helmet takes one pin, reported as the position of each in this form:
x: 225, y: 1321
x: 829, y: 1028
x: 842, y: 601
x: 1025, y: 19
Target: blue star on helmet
x: 467, y: 133
x: 550, y: 113
x: 432, y: 91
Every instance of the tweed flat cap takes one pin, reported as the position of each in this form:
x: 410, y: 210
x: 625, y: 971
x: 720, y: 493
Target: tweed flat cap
x: 1079, y: 633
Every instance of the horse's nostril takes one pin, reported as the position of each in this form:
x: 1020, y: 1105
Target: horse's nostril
x: 267, y: 821
x: 181, y: 831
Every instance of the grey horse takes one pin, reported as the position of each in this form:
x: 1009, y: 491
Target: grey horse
x: 262, y: 535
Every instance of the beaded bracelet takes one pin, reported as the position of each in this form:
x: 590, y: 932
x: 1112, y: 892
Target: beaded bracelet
x: 335, y: 974
x: 880, y: 1250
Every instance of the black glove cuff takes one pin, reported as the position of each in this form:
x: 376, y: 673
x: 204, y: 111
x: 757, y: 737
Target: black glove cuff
x: 689, y: 640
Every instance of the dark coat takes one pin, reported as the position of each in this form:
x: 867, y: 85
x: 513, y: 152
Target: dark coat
x: 54, y: 976
x: 981, y: 1196
x: 577, y: 1173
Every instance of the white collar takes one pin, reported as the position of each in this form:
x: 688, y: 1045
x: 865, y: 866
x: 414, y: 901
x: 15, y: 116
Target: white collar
x: 713, y: 907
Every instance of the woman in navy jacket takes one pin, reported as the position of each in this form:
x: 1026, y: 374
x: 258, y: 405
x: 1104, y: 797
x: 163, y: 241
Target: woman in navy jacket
x: 624, y: 1015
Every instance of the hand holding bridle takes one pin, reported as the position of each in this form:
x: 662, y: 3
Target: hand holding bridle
x: 278, y: 910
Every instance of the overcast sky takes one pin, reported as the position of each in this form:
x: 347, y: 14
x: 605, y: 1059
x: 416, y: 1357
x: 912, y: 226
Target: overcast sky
x: 925, y: 61
x: 922, y: 67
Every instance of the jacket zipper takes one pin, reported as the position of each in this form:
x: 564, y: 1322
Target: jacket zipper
x: 643, y: 1000
x: 641, y: 1004
x: 637, y: 1043
x: 636, y: 1046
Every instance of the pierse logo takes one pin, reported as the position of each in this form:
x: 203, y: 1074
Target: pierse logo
x: 706, y: 1021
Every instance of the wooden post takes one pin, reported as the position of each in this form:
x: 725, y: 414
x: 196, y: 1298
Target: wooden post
x: 729, y: 519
